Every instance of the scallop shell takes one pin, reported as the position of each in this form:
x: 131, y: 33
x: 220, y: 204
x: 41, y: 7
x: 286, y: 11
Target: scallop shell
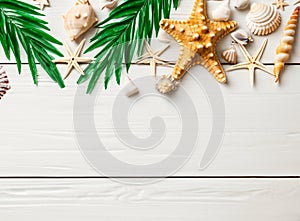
x: 4, y: 83
x: 222, y: 12
x: 263, y: 19
x: 241, y: 37
x: 241, y: 4
x: 230, y: 55
x: 79, y: 19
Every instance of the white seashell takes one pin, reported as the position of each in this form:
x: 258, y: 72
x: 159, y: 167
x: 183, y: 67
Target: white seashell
x: 4, y: 83
x: 241, y: 37
x: 79, y: 19
x: 263, y: 19
x: 241, y: 4
x: 110, y: 4
x: 230, y: 55
x: 166, y: 84
x: 222, y: 12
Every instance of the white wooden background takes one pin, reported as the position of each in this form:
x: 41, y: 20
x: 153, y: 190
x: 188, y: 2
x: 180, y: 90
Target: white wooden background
x: 43, y: 175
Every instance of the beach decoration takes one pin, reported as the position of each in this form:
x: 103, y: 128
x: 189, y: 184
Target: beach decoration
x: 241, y: 4
x: 4, y: 82
x: 241, y: 37
x: 110, y: 4
x: 222, y: 12
x: 42, y: 3
x: 280, y: 4
x: 230, y: 55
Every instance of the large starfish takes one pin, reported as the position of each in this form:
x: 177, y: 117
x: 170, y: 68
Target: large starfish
x: 198, y: 37
x: 42, y: 3
x: 153, y: 58
x: 252, y: 62
x: 74, y: 59
x: 280, y: 4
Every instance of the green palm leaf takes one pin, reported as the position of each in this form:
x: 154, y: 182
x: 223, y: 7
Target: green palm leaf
x: 121, y: 35
x: 20, y: 26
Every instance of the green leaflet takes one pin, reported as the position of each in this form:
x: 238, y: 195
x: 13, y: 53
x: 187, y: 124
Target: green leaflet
x: 121, y: 35
x: 20, y: 26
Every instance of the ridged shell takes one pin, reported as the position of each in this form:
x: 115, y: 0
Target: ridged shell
x: 263, y: 19
x: 166, y: 84
x: 230, y: 55
x: 79, y: 19
x: 4, y: 83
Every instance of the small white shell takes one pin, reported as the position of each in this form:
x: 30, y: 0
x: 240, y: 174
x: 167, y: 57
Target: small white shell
x: 222, y: 12
x: 110, y: 4
x: 263, y: 19
x: 4, y: 83
x: 241, y: 37
x: 241, y: 4
x: 230, y: 55
x: 166, y: 84
x: 79, y: 19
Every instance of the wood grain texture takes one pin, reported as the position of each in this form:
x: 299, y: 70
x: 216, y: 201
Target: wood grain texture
x: 176, y: 199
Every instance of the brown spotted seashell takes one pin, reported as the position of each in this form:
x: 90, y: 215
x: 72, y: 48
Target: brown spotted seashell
x: 79, y: 19
x: 263, y: 19
x: 230, y: 55
x: 4, y: 83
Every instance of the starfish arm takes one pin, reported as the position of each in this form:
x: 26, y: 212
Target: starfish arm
x: 68, y: 71
x: 213, y: 65
x: 246, y: 53
x: 84, y: 60
x: 199, y: 11
x: 220, y: 29
x: 153, y: 67
x: 148, y: 48
x: 264, y: 68
x: 158, y: 53
x: 79, y: 48
x: 78, y: 68
x: 261, y: 50
x: 244, y: 65
x: 68, y: 49
x: 252, y: 75
x: 62, y: 60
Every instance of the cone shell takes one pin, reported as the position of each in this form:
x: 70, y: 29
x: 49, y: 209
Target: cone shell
x: 263, y: 19
x: 4, y: 83
x: 79, y: 19
x: 285, y: 47
x: 230, y: 55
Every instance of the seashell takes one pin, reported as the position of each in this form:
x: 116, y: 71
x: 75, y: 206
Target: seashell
x: 79, y: 19
x: 166, y: 84
x: 4, y: 83
x: 241, y: 37
x: 222, y: 12
x: 230, y: 55
x: 110, y: 4
x: 263, y: 19
x: 241, y: 4
x: 285, y: 47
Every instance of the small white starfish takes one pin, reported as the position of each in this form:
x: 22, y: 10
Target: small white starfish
x: 153, y: 58
x: 252, y: 62
x: 42, y: 3
x: 280, y: 4
x: 74, y: 59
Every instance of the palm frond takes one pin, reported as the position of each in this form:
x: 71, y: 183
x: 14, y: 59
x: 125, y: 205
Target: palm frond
x: 121, y: 35
x: 20, y: 25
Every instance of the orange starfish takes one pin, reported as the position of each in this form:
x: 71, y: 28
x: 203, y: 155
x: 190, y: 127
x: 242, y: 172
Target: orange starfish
x: 198, y: 37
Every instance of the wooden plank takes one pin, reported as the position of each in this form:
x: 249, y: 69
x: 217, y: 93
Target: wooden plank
x: 188, y: 199
x: 58, y: 8
x: 261, y: 134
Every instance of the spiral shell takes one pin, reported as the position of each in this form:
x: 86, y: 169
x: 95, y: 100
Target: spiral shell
x: 4, y: 83
x: 79, y: 19
x: 230, y: 55
x: 285, y: 47
x: 263, y: 19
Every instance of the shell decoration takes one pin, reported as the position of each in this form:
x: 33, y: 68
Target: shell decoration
x: 4, y: 83
x: 263, y: 19
x: 79, y: 19
x: 166, y: 84
x: 241, y: 37
x: 285, y: 47
x: 241, y: 4
x: 230, y: 55
x: 222, y: 12
x: 110, y: 4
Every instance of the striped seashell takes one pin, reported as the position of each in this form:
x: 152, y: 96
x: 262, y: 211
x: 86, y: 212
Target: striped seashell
x: 263, y: 19
x: 230, y: 55
x: 4, y: 83
x: 284, y: 50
